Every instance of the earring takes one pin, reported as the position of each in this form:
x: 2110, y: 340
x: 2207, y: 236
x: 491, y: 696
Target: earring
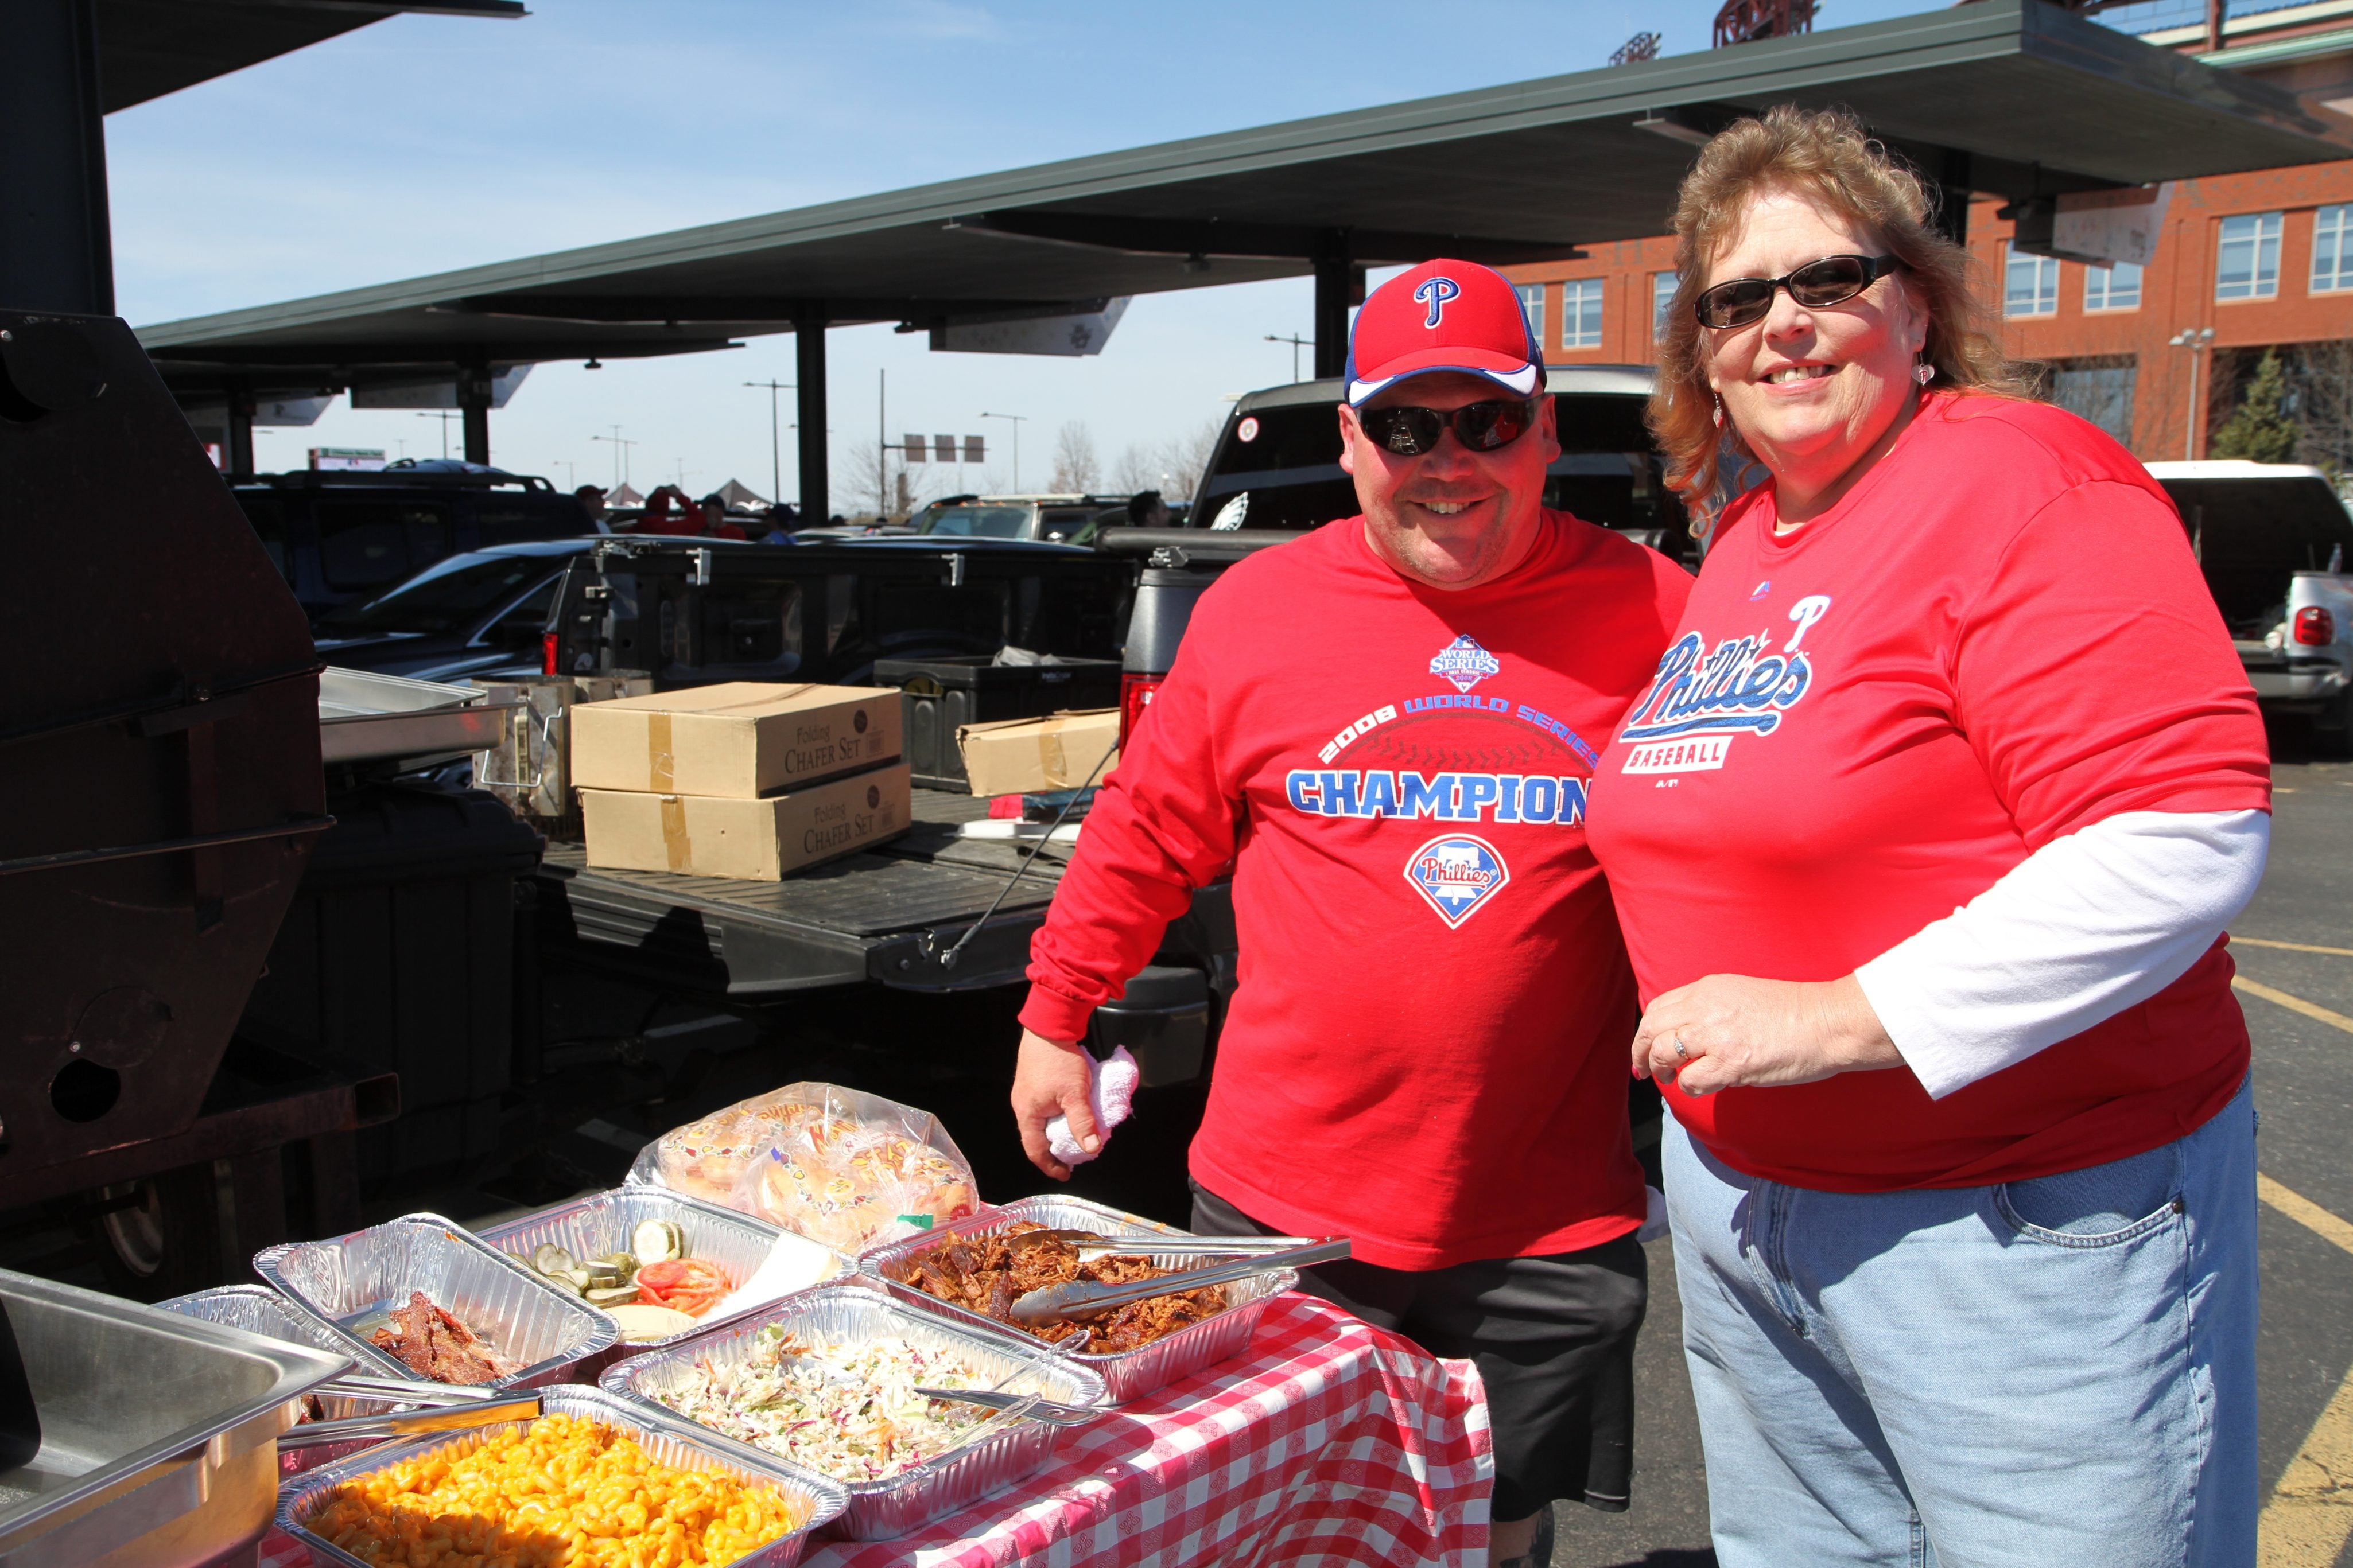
x: 1719, y: 413
x: 1924, y: 373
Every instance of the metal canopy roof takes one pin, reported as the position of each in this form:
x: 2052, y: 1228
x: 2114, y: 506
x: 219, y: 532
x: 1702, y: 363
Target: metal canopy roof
x: 2009, y: 97
x: 149, y: 47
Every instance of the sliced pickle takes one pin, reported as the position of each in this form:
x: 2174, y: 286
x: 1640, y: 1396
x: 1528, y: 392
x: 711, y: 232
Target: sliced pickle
x: 612, y: 1296
x: 563, y: 1283
x: 657, y: 1241
x: 550, y: 1258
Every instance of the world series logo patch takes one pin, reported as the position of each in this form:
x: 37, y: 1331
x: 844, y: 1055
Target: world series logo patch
x: 1457, y: 873
x: 1463, y: 664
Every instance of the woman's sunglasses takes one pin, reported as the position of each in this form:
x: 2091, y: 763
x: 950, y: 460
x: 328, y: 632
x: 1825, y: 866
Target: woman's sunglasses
x: 1481, y: 427
x: 1832, y: 281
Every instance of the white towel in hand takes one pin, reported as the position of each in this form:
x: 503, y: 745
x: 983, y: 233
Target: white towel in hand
x: 1114, y: 1092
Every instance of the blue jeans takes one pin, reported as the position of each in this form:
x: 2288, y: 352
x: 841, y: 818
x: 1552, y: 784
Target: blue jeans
x: 2059, y: 1370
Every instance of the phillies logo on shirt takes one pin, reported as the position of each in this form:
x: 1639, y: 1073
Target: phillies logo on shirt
x: 1457, y: 873
x: 1702, y: 699
x: 1463, y: 663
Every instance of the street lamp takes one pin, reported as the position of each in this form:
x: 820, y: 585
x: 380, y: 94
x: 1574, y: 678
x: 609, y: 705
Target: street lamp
x: 1297, y: 342
x: 1017, y: 420
x: 775, y: 436
x: 2196, y: 340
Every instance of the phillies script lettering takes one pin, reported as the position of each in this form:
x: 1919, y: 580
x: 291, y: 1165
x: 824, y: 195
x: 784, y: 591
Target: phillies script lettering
x: 1738, y: 689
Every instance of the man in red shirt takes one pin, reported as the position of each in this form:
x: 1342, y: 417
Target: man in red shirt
x: 1386, y: 728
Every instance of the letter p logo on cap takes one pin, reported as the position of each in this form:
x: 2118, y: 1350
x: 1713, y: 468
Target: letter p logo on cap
x: 1434, y: 292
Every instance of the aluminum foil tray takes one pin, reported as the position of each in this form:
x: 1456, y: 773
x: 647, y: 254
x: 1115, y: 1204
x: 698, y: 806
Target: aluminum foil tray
x: 1126, y: 1375
x: 351, y: 1279
x: 273, y: 1317
x: 852, y: 1313
x: 602, y: 1222
x: 670, y: 1440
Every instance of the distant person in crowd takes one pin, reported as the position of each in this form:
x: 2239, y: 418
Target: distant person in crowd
x: 715, y: 518
x: 592, y: 502
x: 668, y: 512
x: 1386, y: 727
x: 1923, y: 839
x: 783, y: 519
x: 1146, y: 510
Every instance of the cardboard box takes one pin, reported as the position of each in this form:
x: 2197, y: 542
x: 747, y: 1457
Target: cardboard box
x: 744, y: 739
x: 1030, y: 756
x: 759, y: 840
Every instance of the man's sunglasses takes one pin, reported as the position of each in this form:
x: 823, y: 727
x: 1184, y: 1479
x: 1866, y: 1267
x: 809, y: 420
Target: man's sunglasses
x: 1831, y: 281
x: 1481, y: 427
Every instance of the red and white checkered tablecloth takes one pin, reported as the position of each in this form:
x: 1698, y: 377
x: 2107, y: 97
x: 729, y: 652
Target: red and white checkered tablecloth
x: 1327, y: 1444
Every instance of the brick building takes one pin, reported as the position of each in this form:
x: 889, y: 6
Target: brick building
x: 2263, y: 260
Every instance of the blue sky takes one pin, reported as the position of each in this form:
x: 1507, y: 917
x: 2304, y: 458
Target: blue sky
x: 426, y: 143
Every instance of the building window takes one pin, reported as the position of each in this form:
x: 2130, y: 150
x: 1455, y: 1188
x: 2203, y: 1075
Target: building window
x: 2114, y: 287
x: 1532, y: 307
x: 1581, y: 313
x: 2101, y: 390
x: 2030, y: 284
x: 2246, y: 266
x: 2332, y: 249
x: 1663, y: 299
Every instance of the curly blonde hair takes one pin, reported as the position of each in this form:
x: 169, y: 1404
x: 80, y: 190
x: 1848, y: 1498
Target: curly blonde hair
x: 1827, y: 157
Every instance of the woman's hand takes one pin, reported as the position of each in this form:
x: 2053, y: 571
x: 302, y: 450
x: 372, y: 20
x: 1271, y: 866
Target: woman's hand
x: 1736, y: 1031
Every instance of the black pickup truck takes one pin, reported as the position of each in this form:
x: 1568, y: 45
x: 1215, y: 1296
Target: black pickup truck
x: 903, y: 915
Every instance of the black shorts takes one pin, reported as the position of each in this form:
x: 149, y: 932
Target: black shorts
x: 1552, y: 1338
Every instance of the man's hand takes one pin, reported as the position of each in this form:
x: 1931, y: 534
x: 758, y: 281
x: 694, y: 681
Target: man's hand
x: 1736, y: 1031
x: 1052, y: 1079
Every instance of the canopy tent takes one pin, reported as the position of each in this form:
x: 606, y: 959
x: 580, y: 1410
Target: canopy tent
x: 2009, y: 97
x: 739, y: 497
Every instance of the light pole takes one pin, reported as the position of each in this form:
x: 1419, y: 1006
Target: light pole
x: 1297, y: 342
x: 1017, y: 420
x: 2197, y: 341
x: 775, y: 436
x: 445, y: 416
x: 620, y: 456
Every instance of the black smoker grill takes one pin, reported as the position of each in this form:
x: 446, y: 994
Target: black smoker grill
x: 160, y: 782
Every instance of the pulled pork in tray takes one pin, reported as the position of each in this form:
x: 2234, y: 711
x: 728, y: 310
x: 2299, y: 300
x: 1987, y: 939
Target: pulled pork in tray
x: 431, y: 1343
x: 984, y: 1274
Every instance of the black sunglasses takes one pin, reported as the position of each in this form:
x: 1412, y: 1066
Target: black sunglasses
x: 1829, y: 281
x: 1481, y: 427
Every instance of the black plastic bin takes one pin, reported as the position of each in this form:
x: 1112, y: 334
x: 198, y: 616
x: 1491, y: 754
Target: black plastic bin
x: 399, y: 952
x: 944, y: 694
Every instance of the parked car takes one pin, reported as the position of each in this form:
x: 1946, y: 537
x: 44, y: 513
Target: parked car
x: 481, y: 613
x: 2273, y: 541
x: 1276, y: 463
x: 346, y: 538
x: 1054, y: 519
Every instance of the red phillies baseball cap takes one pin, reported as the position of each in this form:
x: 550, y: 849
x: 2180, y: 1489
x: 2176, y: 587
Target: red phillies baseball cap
x: 1443, y: 315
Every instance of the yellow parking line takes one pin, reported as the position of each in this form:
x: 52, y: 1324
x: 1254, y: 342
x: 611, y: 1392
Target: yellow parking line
x: 2293, y: 1003
x: 2310, y: 1515
x: 2291, y: 946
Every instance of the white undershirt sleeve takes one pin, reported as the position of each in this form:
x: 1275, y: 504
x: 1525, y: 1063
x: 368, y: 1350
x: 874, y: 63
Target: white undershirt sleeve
x: 2084, y: 928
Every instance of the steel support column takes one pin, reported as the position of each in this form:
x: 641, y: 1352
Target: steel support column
x: 56, y: 253
x: 240, y: 455
x: 809, y: 397
x: 474, y: 406
x: 1335, y: 278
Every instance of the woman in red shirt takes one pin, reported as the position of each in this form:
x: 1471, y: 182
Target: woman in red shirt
x: 1923, y: 839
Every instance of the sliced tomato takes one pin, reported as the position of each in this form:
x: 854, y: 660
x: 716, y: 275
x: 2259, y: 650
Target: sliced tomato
x: 687, y: 1284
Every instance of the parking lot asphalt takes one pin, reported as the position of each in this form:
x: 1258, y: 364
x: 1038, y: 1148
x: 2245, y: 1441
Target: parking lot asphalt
x: 2303, y: 1087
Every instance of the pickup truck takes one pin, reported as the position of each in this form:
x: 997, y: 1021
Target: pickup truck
x: 932, y: 910
x: 2272, y: 541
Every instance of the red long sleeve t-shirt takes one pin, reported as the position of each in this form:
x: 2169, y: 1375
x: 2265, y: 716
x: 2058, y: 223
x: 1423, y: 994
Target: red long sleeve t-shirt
x: 1426, y: 1051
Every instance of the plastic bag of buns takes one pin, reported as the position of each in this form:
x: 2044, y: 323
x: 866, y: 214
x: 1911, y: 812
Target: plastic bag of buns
x: 846, y: 1168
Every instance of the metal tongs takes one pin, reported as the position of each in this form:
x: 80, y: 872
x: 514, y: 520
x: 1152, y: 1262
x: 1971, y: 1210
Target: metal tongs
x: 1029, y: 1405
x: 1187, y: 1246
x: 1086, y: 1298
x: 442, y: 1408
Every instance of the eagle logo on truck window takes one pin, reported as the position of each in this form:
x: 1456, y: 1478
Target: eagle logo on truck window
x: 1457, y: 873
x: 1465, y: 664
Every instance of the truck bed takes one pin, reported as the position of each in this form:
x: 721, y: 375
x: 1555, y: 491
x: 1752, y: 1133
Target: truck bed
x: 886, y: 916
